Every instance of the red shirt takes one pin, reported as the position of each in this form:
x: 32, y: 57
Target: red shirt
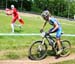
x: 15, y: 12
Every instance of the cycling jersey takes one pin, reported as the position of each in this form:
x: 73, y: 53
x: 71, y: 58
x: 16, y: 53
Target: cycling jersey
x: 59, y: 30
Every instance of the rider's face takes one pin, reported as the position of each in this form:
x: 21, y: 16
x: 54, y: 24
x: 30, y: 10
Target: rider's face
x: 46, y: 18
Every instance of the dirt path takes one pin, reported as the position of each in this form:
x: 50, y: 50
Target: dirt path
x: 44, y: 61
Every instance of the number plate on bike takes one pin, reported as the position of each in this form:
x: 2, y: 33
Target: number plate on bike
x: 43, y: 34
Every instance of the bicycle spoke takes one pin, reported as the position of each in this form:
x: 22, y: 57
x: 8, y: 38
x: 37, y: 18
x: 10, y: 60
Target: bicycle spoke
x: 37, y: 50
x: 66, y: 48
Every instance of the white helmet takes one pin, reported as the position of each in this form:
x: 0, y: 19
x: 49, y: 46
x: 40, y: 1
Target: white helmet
x: 45, y: 13
x: 12, y: 6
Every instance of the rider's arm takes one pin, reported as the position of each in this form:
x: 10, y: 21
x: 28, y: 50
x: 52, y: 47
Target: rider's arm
x: 44, y: 24
x: 55, y: 26
x: 11, y: 12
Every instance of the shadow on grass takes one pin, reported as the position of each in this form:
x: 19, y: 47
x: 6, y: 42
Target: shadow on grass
x: 1, y: 37
x: 12, y: 55
x: 49, y: 53
x: 18, y: 31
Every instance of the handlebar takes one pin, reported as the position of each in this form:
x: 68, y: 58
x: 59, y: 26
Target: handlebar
x: 44, y: 33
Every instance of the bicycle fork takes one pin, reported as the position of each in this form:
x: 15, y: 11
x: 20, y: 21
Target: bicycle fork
x: 43, y: 41
x: 40, y: 46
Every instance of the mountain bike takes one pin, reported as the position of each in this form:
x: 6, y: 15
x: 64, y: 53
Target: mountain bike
x: 38, y: 49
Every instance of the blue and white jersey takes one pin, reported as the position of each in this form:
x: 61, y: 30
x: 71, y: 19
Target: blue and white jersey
x: 59, y: 30
x: 53, y: 20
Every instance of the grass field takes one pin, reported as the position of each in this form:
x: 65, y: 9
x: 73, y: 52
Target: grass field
x: 16, y: 47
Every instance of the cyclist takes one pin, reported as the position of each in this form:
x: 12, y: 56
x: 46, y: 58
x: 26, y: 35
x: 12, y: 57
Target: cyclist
x: 56, y: 27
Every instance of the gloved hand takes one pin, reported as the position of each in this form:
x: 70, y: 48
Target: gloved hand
x: 41, y: 30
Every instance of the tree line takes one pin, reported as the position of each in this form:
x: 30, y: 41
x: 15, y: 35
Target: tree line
x: 63, y: 8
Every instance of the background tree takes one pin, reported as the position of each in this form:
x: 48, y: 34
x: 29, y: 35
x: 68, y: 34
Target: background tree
x: 64, y: 8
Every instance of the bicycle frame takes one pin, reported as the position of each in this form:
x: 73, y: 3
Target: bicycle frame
x: 46, y: 37
x: 40, y: 51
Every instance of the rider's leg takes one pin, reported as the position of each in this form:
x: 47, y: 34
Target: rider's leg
x: 12, y: 27
x: 13, y: 23
x: 59, y: 46
x: 58, y: 35
x: 21, y: 20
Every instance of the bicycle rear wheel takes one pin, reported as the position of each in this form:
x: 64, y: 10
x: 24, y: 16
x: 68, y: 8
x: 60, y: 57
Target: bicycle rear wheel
x: 37, y: 50
x: 66, y: 46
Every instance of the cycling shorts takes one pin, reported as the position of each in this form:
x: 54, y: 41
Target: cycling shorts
x: 58, y: 32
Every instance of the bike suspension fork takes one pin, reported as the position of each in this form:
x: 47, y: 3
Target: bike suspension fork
x: 43, y: 41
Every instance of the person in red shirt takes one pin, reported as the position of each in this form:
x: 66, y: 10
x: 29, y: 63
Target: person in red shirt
x: 15, y: 16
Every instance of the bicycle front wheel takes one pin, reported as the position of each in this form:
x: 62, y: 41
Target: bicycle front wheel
x: 66, y: 46
x: 37, y: 50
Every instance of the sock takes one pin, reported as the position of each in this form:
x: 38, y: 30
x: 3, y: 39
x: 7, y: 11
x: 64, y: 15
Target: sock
x: 12, y: 27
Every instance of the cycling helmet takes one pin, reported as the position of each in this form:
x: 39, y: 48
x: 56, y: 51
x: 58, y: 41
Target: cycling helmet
x: 45, y: 13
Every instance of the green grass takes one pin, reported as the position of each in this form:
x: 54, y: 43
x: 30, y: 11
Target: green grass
x: 32, y: 24
x: 67, y: 26
x: 16, y: 47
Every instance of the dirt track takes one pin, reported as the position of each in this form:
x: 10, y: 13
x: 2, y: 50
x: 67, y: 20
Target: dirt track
x: 44, y: 61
